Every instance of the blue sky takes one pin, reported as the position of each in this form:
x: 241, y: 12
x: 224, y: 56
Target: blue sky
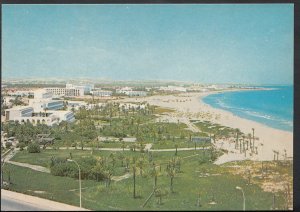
x: 209, y: 43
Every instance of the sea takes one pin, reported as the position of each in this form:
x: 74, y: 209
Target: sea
x: 273, y: 107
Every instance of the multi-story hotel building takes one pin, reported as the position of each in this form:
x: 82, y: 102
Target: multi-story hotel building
x: 66, y: 91
x: 42, y: 109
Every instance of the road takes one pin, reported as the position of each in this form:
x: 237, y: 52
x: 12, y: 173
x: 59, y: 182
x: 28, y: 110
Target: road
x: 14, y: 205
x: 13, y: 201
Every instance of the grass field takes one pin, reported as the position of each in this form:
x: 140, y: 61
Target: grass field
x: 205, y: 179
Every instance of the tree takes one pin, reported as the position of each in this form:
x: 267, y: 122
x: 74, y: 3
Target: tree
x: 121, y: 158
x: 34, y: 148
x: 107, y: 174
x: 127, y: 159
x: 21, y: 146
x: 140, y: 164
x: 154, y: 173
x: 253, y: 139
x: 123, y: 144
x: 171, y: 174
x: 97, y: 170
x: 134, y: 170
x: 8, y: 145
x: 158, y: 192
x: 237, y: 138
x: 176, y: 146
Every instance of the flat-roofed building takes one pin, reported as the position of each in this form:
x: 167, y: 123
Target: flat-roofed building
x: 136, y: 93
x: 42, y: 109
x: 66, y: 91
x: 101, y: 93
x: 42, y: 94
x: 14, y: 113
x: 124, y: 90
x: 130, y: 92
x: 87, y: 88
x: 64, y: 115
x: 49, y: 118
x: 173, y: 88
x: 45, y: 104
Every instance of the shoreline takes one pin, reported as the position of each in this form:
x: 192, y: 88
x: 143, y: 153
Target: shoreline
x: 201, y: 99
x: 191, y: 106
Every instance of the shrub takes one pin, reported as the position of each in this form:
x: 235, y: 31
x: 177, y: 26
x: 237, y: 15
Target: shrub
x: 34, y: 148
x: 21, y: 145
x: 8, y: 145
x: 61, y: 167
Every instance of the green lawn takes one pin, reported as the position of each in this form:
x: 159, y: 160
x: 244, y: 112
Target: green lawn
x: 187, y: 184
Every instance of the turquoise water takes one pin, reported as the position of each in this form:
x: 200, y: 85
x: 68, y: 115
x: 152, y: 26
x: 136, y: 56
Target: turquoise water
x: 273, y: 108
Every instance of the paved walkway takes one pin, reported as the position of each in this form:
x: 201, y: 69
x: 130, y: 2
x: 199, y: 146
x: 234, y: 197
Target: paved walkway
x: 126, y: 149
x: 10, y: 155
x: 33, y: 167
x: 17, y: 199
x: 178, y: 149
x: 119, y: 178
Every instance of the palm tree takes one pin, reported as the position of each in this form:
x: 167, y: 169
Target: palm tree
x: 121, y: 158
x: 134, y: 170
x: 127, y: 159
x: 171, y: 174
x: 178, y: 163
x: 113, y: 159
x: 140, y: 164
x: 250, y: 138
x: 154, y: 173
x: 158, y: 193
x: 97, y: 170
x: 123, y: 143
x: 253, y: 139
x: 237, y: 138
x: 107, y: 174
x: 82, y: 144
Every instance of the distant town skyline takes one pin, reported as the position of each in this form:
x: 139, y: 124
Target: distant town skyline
x: 206, y: 43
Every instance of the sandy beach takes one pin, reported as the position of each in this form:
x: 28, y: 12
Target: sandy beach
x: 189, y: 106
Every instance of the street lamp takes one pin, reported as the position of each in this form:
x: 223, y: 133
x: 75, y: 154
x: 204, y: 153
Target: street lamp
x: 239, y: 188
x: 2, y: 166
x: 79, y: 178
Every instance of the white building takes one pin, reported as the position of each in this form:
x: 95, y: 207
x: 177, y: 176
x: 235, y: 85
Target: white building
x: 173, y: 88
x: 76, y: 104
x: 136, y: 93
x: 102, y: 93
x: 42, y: 101
x: 66, y: 91
x: 87, y: 88
x: 42, y: 109
x: 26, y: 114
x: 128, y: 91
x: 19, y: 111
x: 21, y: 93
x: 124, y: 90
x: 128, y: 106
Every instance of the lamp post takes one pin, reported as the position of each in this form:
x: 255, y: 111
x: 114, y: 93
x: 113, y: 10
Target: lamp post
x: 79, y: 178
x: 2, y: 166
x: 244, y: 205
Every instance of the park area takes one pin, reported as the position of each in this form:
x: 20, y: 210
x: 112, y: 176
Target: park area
x: 132, y: 159
x: 187, y: 181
